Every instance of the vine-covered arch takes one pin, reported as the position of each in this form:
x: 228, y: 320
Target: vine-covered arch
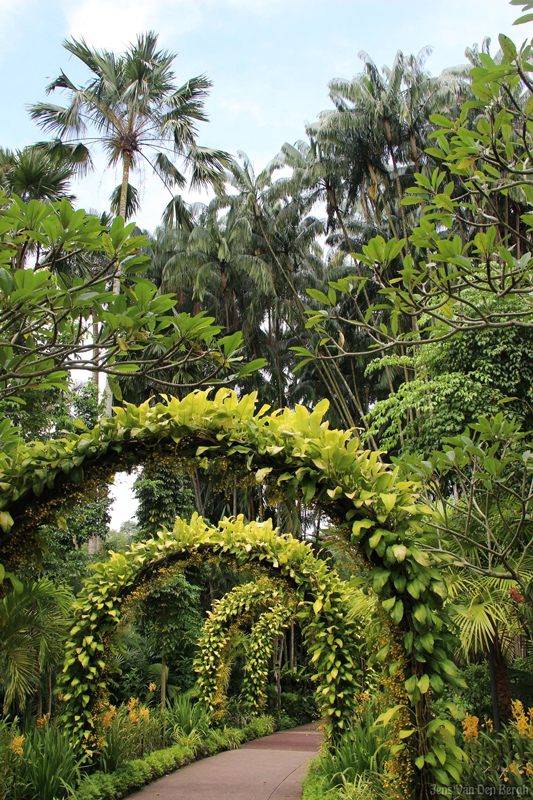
x: 261, y: 642
x: 275, y: 605
x: 296, y: 456
x: 330, y: 637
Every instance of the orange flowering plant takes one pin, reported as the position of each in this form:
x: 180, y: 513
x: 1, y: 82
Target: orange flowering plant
x: 500, y: 759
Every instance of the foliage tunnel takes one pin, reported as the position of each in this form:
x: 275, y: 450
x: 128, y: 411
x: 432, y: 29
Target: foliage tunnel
x: 296, y: 456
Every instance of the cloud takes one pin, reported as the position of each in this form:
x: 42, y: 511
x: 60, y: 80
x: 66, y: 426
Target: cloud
x: 113, y: 24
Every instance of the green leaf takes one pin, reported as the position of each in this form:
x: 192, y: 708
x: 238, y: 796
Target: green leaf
x: 386, y: 717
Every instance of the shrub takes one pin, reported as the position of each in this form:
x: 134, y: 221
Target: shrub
x: 49, y: 766
x: 360, y: 750
x: 285, y: 722
x: 131, y: 732
x: 132, y: 775
x: 363, y: 787
x: 260, y: 726
x: 184, y: 716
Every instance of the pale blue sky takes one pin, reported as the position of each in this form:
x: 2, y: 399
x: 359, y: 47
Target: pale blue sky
x: 269, y: 60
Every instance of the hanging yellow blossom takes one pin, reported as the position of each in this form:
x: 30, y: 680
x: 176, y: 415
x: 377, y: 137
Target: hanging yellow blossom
x: 16, y: 745
x: 152, y: 687
x: 470, y: 727
x: 523, y: 723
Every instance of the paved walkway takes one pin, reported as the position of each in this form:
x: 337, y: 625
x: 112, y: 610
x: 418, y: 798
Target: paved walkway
x: 271, y: 768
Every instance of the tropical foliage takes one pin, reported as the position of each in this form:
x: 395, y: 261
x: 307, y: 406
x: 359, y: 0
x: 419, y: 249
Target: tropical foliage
x: 353, y: 535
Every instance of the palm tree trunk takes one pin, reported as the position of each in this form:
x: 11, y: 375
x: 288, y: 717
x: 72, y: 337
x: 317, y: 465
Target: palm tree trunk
x: 278, y: 363
x: 126, y: 164
x: 502, y: 681
x: 414, y: 151
x: 399, y: 190
x: 223, y: 278
x: 385, y: 203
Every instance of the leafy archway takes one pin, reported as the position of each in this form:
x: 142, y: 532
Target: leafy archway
x: 296, y: 456
x: 330, y: 637
x: 275, y: 605
x: 261, y: 643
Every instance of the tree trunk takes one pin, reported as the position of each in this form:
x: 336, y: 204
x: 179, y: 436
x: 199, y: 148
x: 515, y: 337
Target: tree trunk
x: 414, y: 151
x: 163, y: 680
x: 293, y: 660
x: 277, y: 335
x: 95, y: 374
x: 126, y: 164
x: 223, y: 278
x: 39, y: 699
x: 385, y: 203
x: 399, y: 190
x: 49, y: 682
x: 494, y: 690
x: 502, y: 682
x: 278, y: 654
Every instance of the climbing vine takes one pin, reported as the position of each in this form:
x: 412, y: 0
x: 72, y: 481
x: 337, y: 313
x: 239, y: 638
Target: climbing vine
x: 296, y: 456
x: 261, y: 643
x: 331, y: 639
x: 243, y: 600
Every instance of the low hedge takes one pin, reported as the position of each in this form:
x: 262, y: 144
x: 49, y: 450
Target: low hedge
x: 133, y: 775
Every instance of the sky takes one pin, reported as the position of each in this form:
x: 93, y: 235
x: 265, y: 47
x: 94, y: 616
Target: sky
x: 269, y: 60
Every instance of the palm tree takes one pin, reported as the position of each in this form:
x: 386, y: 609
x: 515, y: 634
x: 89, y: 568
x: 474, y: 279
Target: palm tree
x: 131, y: 106
x: 33, y: 626
x: 386, y: 115
x: 33, y: 174
x: 219, y: 252
x: 488, y: 620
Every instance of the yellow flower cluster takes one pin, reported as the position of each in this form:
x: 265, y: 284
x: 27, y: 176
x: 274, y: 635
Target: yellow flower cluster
x: 152, y: 687
x: 108, y: 716
x: 514, y: 769
x: 42, y: 722
x: 470, y: 728
x: 16, y: 745
x: 523, y: 722
x: 518, y: 770
x: 136, y: 711
x: 133, y: 702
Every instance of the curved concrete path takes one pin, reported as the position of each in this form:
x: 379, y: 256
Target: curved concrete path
x: 271, y: 768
